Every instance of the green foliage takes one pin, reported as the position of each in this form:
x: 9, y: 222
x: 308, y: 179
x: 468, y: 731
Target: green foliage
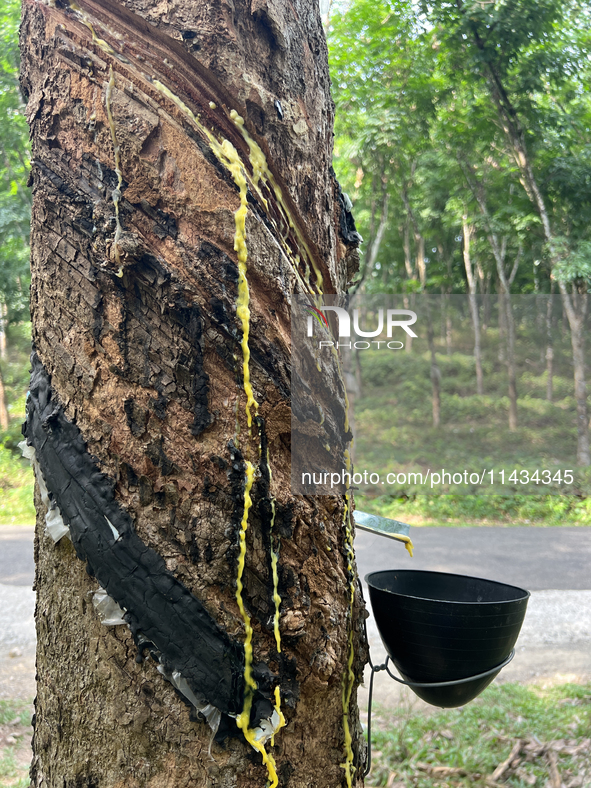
x: 15, y: 373
x: 11, y: 710
x: 394, y: 431
x: 419, y: 90
x: 15, y: 201
x: 16, y: 490
x: 480, y: 736
x: 16, y: 475
x: 574, y: 265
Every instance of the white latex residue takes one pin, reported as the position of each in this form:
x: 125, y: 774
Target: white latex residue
x: 211, y: 714
x: 54, y: 524
x: 114, y: 531
x: 267, y: 728
x: 109, y: 612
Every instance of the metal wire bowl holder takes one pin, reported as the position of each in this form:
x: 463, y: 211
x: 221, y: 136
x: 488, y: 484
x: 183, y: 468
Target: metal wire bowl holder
x: 446, y: 597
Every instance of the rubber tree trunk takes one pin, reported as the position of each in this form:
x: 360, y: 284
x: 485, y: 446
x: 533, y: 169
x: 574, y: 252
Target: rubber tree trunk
x: 3, y: 321
x: 182, y: 189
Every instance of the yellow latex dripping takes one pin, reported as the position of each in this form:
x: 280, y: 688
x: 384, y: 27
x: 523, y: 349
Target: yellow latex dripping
x: 84, y: 18
x: 276, y: 596
x: 257, y: 159
x: 249, y: 682
x: 261, y: 172
x: 250, y: 685
x: 242, y: 304
x: 280, y: 714
x: 227, y: 154
x: 349, y: 676
x: 277, y: 603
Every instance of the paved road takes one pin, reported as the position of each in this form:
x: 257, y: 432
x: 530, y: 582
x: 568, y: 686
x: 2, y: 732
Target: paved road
x: 533, y: 558
x: 530, y: 557
x: 17, y: 607
x: 553, y: 563
x: 16, y: 555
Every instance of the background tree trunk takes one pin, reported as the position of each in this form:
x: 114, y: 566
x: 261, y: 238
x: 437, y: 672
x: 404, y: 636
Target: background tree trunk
x: 549, y: 347
x: 435, y: 372
x: 167, y: 236
x: 467, y: 233
x: 575, y: 306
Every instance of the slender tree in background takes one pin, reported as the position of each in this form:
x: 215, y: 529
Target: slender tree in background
x: 181, y: 190
x: 513, y: 47
x: 467, y: 233
x: 15, y: 201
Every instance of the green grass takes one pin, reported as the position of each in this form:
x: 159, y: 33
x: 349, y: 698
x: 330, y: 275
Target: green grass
x: 395, y: 433
x: 410, y: 746
x: 13, y: 709
x: 15, y: 721
x: 16, y: 475
x: 470, y: 510
x: 16, y: 489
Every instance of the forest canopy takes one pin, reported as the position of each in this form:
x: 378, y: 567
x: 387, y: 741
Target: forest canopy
x: 442, y: 108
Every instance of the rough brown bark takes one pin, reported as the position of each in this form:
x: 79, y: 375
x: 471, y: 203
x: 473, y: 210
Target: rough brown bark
x: 135, y: 287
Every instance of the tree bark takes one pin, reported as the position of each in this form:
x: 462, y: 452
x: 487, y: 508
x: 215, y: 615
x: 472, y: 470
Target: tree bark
x: 4, y: 417
x: 181, y: 190
x: 406, y: 244
x: 448, y: 326
x: 375, y: 241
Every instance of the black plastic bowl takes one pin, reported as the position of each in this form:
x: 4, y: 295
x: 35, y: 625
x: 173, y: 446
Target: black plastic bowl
x: 442, y: 627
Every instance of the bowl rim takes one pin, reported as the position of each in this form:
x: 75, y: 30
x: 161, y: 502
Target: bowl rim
x: 525, y: 595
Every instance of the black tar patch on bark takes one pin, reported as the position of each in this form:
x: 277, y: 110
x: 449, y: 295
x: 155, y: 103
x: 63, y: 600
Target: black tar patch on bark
x: 157, y: 605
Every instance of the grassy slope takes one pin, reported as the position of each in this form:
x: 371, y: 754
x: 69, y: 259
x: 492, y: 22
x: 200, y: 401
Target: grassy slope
x: 16, y: 476
x: 395, y: 433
